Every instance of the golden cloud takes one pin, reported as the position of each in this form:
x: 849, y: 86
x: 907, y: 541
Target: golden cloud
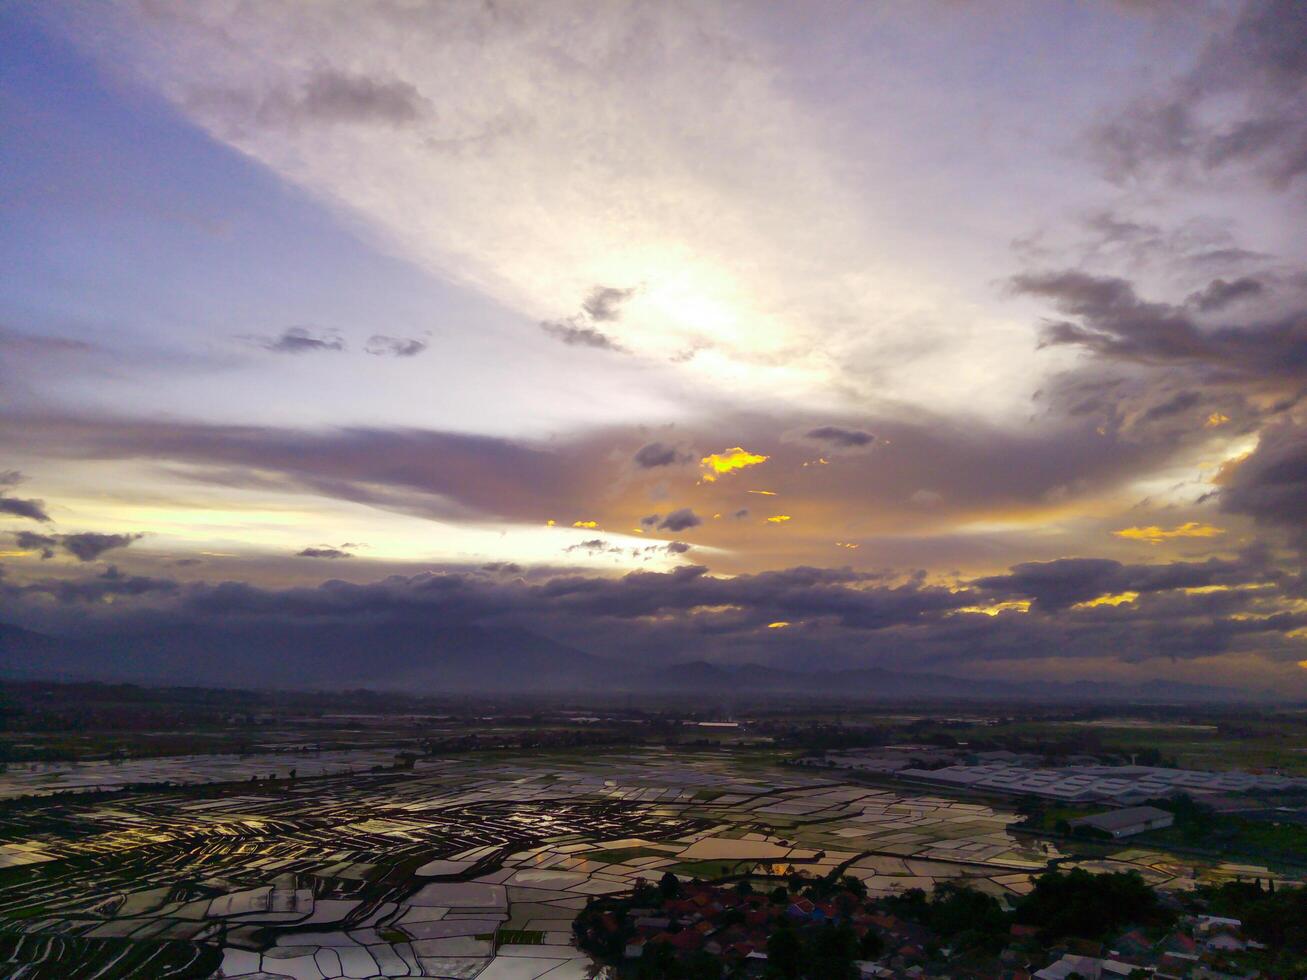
x: 993, y: 609
x: 728, y: 460
x: 779, y: 519
x: 778, y: 625
x: 1156, y: 535
x: 586, y: 524
x: 1112, y: 599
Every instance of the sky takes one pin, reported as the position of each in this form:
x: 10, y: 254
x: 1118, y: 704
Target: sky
x: 967, y: 338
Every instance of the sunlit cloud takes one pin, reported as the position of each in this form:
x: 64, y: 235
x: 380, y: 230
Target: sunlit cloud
x: 779, y: 519
x: 1216, y: 419
x: 1113, y: 599
x: 728, y: 461
x: 779, y: 625
x: 1154, y: 534
x: 994, y: 608
x: 585, y: 524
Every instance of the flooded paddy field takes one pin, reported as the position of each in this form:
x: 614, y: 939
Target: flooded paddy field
x: 474, y: 866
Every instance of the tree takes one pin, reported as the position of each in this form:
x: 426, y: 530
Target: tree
x: 871, y: 946
x: 1090, y: 906
x: 831, y: 952
x: 784, y: 952
x: 669, y: 886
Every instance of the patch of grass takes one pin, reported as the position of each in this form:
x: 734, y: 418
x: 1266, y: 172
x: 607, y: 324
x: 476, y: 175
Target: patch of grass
x: 711, y: 870
x: 619, y: 854
x: 393, y: 936
x: 521, y: 937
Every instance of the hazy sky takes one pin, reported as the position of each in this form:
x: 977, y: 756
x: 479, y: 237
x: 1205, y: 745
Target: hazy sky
x: 963, y: 337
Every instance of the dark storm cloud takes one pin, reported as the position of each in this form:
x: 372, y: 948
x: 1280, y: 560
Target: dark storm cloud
x: 1218, y: 294
x: 578, y: 334
x: 1115, y: 323
x: 301, y: 340
x: 1178, y: 403
x: 1244, y: 102
x: 33, y: 510
x: 657, y: 454
x: 90, y: 545
x: 326, y: 97
x: 31, y: 541
x: 1067, y: 581
x: 111, y: 583
x: 409, y: 470
x: 18, y: 507
x: 605, y: 303
x: 593, y: 546
x: 380, y: 345
x: 677, y: 547
x: 322, y: 552
x: 841, y: 616
x: 84, y: 546
x: 840, y: 437
x: 972, y: 466
x: 1271, y: 484
x: 680, y: 520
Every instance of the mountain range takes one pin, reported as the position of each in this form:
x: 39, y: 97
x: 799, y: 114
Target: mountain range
x: 472, y: 659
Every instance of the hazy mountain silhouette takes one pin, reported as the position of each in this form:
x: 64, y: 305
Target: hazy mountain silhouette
x: 467, y: 659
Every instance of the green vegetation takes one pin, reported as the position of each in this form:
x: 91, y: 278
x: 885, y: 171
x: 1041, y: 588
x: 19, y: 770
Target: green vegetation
x: 1198, y: 825
x: 619, y: 855
x: 520, y: 937
x: 1090, y: 906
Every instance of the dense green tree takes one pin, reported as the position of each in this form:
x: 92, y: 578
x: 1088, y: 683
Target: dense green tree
x: 1090, y: 906
x: 829, y: 953
x: 784, y: 953
x: 669, y: 886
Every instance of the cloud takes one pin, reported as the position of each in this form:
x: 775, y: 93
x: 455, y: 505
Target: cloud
x: 323, y: 552
x: 605, y: 303
x: 1067, y: 581
x: 1270, y: 485
x: 18, y: 507
x: 1156, y: 535
x: 574, y: 334
x: 33, y: 510
x: 656, y: 454
x: 109, y: 584
x: 1218, y: 294
x: 729, y: 461
x: 1116, y: 324
x: 1178, y: 610
x: 838, y: 437
x: 84, y: 546
x: 326, y: 96
x: 380, y: 345
x: 301, y: 340
x: 90, y: 545
x: 677, y: 547
x: 42, y: 543
x: 680, y: 520
x: 1244, y: 103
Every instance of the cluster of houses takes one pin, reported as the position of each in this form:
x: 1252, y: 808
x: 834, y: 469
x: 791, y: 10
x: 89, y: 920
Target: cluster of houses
x: 734, y: 926
x: 1199, y: 948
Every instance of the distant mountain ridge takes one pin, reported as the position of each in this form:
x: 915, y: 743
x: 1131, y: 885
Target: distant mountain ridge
x: 473, y: 659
